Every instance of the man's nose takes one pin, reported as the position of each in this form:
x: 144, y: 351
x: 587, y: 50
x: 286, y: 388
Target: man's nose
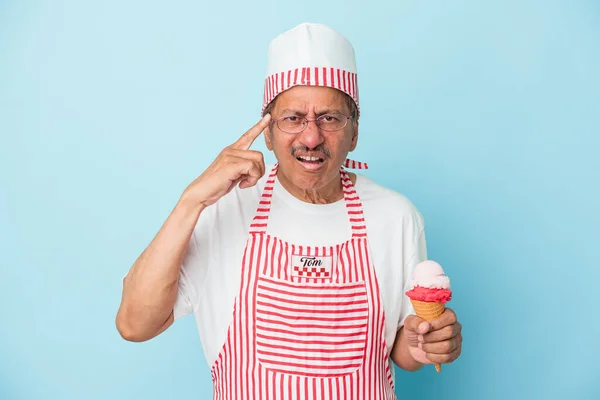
x: 312, y: 136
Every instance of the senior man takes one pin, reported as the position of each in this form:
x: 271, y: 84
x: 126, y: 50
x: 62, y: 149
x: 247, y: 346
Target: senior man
x: 296, y: 273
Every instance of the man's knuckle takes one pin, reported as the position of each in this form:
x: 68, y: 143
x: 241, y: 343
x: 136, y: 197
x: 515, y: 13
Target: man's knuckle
x: 454, y: 356
x: 457, y: 343
x: 455, y: 330
x: 451, y: 314
x: 448, y: 346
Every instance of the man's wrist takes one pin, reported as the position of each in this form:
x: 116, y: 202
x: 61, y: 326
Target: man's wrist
x: 189, y: 205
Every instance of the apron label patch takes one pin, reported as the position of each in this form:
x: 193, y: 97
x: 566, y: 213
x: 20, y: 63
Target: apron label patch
x: 311, y: 266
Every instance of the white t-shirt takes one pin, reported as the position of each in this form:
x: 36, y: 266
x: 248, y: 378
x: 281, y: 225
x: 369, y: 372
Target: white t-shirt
x: 211, y: 270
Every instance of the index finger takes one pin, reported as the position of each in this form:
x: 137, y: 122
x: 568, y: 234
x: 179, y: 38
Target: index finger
x: 246, y: 140
x: 448, y: 317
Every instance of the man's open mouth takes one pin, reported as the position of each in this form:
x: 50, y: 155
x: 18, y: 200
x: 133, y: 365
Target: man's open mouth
x: 311, y: 160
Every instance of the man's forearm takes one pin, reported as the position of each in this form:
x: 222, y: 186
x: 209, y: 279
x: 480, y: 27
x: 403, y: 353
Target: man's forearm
x: 150, y: 288
x: 401, y: 355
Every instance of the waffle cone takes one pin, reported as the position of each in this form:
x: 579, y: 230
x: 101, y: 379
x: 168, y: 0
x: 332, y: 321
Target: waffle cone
x: 429, y: 310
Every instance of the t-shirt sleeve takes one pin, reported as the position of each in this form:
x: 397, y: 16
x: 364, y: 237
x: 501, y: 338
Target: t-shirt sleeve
x: 415, y: 248
x: 194, y: 267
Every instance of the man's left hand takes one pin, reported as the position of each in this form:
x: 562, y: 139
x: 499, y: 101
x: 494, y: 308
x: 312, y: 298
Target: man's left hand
x: 435, y: 342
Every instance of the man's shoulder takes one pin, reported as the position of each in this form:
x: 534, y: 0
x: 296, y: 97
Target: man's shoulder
x: 381, y: 199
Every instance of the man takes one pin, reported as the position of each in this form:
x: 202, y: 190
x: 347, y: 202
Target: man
x: 296, y: 273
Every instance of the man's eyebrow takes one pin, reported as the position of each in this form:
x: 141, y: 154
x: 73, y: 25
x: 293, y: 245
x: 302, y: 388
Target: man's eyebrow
x: 329, y: 111
x: 291, y: 111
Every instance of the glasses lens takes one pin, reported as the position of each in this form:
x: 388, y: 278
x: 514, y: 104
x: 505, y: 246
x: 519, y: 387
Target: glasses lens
x: 291, y: 124
x: 332, y: 122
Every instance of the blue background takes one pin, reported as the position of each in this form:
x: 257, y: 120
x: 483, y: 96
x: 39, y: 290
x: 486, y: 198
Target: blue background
x: 484, y: 113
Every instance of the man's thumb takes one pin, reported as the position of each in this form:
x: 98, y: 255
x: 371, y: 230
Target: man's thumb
x: 417, y: 324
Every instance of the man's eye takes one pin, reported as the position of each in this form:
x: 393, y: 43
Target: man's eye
x: 292, y: 118
x: 330, y: 118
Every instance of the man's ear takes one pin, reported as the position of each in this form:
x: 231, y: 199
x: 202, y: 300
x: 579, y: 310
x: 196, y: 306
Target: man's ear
x: 354, y: 137
x: 267, y: 135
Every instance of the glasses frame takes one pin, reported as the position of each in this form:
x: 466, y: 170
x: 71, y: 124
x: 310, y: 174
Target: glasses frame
x: 306, y: 121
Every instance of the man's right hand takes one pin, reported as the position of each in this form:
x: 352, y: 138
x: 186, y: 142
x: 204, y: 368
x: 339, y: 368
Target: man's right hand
x: 235, y: 164
x: 150, y: 287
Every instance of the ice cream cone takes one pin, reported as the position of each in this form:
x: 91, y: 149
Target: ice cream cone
x: 429, y: 291
x: 429, y: 310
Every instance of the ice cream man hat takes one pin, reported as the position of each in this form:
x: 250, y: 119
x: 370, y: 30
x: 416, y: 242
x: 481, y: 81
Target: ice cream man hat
x: 312, y: 55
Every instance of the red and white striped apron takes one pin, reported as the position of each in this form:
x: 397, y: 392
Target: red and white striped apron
x: 308, y: 322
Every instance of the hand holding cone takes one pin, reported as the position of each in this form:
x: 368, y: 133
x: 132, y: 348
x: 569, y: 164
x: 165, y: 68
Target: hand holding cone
x: 429, y: 292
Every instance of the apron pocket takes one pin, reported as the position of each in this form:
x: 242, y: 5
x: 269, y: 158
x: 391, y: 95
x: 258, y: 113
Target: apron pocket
x: 311, y: 330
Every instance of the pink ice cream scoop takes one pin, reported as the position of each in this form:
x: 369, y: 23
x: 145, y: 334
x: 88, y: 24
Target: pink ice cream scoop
x: 429, y: 283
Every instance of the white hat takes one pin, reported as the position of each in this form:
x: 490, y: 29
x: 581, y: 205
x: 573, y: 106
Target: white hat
x: 310, y: 54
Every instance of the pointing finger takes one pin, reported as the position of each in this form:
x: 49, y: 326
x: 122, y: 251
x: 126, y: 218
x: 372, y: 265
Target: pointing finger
x: 246, y: 140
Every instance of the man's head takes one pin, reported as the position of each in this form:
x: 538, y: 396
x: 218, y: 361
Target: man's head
x: 310, y: 155
x: 312, y: 95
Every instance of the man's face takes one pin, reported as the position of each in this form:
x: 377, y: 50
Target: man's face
x: 292, y: 150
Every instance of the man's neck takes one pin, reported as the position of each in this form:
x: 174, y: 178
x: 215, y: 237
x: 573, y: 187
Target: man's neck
x: 327, y: 194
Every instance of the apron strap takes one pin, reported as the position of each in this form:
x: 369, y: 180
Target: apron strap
x: 355, y: 164
x: 354, y: 207
x: 259, y: 223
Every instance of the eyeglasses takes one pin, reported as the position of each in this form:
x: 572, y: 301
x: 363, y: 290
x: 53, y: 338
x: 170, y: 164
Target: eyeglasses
x: 327, y: 122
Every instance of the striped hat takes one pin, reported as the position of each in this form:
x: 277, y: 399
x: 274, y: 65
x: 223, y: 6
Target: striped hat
x: 313, y: 55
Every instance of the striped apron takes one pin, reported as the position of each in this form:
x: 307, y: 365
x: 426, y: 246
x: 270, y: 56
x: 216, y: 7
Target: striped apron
x: 308, y: 322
